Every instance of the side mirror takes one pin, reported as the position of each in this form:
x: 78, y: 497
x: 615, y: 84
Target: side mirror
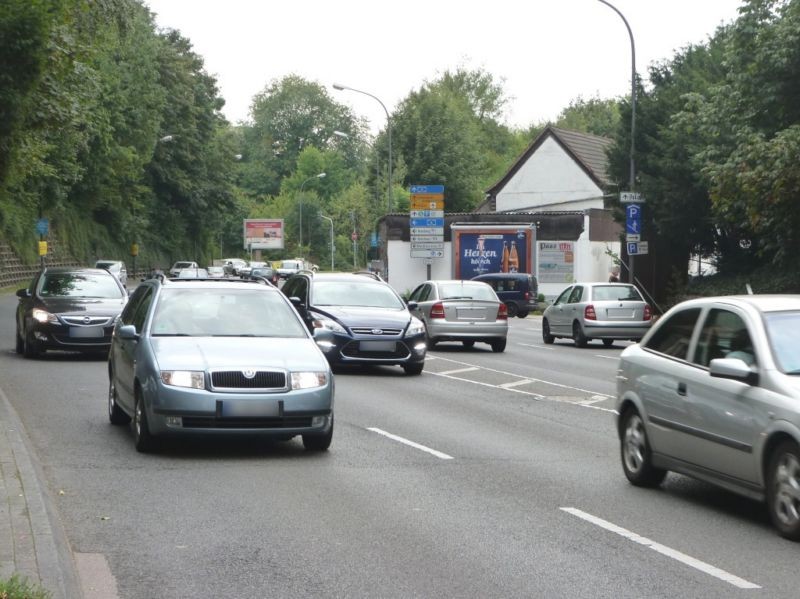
x: 23, y: 293
x: 412, y: 305
x: 128, y: 332
x: 733, y: 368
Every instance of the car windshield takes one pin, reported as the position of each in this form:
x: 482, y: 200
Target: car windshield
x: 84, y: 285
x: 224, y: 313
x: 290, y: 264
x: 466, y: 291
x: 783, y: 329
x: 355, y: 293
x: 182, y: 265
x: 616, y: 293
x: 107, y: 265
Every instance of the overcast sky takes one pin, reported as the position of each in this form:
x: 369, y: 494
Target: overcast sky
x: 547, y: 52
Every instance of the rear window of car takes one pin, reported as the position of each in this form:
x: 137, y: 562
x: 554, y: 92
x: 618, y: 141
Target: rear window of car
x: 616, y: 293
x: 355, y: 293
x: 106, y: 265
x: 80, y: 285
x: 183, y: 264
x: 225, y: 313
x: 465, y: 291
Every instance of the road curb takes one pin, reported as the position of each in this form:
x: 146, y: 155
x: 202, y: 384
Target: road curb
x: 32, y: 530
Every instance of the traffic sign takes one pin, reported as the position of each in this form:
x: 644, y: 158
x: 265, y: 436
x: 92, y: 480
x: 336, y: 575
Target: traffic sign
x: 354, y: 236
x: 42, y: 226
x: 628, y: 197
x: 637, y: 248
x: 633, y: 220
x: 426, y: 189
x: 427, y: 222
x: 427, y: 253
x: 424, y: 238
x: 427, y: 213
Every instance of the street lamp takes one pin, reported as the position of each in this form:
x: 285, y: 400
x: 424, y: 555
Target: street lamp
x: 389, y: 194
x: 632, y: 179
x: 318, y: 176
x: 333, y: 248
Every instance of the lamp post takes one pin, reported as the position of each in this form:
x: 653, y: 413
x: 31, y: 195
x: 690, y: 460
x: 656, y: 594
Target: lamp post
x: 333, y: 248
x: 632, y: 179
x: 389, y: 194
x: 317, y: 176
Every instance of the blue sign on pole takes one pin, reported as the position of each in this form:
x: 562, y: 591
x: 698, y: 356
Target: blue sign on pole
x: 427, y: 222
x: 425, y: 189
x: 42, y: 226
x: 633, y: 219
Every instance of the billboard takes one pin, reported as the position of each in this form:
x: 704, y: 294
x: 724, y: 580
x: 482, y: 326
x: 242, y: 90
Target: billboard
x: 263, y: 234
x: 556, y: 262
x: 490, y: 249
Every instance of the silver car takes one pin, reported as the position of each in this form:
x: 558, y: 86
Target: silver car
x: 465, y: 311
x: 607, y: 311
x: 713, y: 392
x: 219, y: 356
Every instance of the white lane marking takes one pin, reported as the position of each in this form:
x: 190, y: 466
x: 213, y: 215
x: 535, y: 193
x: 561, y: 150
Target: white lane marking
x: 460, y: 370
x: 514, y: 375
x: 606, y: 357
x: 438, y: 454
x: 536, y: 346
x: 664, y: 550
x: 515, y: 383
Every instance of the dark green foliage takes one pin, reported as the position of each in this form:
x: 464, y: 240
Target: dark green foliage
x: 18, y: 587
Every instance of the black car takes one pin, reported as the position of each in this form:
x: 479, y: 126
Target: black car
x: 68, y: 308
x: 357, y: 318
x: 518, y: 290
x: 265, y: 272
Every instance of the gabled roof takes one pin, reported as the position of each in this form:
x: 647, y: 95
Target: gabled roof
x: 588, y: 151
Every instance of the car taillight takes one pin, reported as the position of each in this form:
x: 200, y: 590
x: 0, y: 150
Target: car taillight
x: 648, y: 313
x: 527, y: 296
x: 437, y: 310
x: 502, y: 312
x: 589, y: 313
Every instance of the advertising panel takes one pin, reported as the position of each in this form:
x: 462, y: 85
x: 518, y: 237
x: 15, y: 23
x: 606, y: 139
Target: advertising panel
x: 481, y: 250
x: 556, y: 261
x: 263, y: 234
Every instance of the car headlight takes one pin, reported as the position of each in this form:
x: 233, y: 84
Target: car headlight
x: 415, y: 328
x: 44, y: 316
x: 309, y: 380
x: 193, y: 379
x: 323, y: 322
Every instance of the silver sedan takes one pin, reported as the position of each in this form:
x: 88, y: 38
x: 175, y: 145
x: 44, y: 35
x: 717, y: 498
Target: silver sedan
x: 713, y: 392
x: 465, y: 311
x: 607, y: 311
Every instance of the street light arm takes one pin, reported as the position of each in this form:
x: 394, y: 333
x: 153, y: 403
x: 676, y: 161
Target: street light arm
x: 632, y: 181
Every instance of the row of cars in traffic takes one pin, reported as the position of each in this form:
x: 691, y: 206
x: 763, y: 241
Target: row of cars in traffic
x: 710, y: 390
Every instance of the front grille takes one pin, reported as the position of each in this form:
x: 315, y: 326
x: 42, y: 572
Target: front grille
x: 371, y: 331
x: 87, y: 320
x: 240, y: 423
x: 352, y: 350
x: 235, y: 379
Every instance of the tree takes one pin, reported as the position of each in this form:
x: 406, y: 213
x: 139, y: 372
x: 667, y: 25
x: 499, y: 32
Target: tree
x: 595, y: 115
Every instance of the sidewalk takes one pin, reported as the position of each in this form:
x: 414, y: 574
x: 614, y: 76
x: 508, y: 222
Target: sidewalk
x: 33, y: 543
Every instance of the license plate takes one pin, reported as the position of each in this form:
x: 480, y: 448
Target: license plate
x: 620, y: 313
x: 84, y: 332
x: 377, y: 346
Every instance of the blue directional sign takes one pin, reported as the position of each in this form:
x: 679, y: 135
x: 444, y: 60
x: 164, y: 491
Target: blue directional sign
x: 426, y: 189
x: 633, y: 219
x: 427, y: 222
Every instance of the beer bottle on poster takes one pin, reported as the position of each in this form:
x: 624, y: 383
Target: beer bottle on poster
x: 513, y: 258
x: 504, y: 264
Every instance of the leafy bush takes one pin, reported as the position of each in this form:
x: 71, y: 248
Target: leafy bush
x: 18, y: 587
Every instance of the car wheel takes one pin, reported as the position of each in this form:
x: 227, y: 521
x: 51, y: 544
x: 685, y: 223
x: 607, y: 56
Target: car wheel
x: 522, y: 314
x: 635, y: 452
x: 31, y: 348
x: 20, y: 346
x: 577, y: 335
x: 783, y: 481
x: 429, y: 341
x: 414, y: 368
x: 142, y: 439
x: 608, y: 342
x: 547, y: 337
x: 319, y: 442
x: 498, y: 345
x: 512, y: 309
x: 115, y: 414
x: 468, y: 343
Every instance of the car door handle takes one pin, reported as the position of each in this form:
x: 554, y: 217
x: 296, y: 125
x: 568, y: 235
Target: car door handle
x: 681, y: 388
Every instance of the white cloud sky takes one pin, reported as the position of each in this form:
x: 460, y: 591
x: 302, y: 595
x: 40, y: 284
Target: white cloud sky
x: 548, y: 52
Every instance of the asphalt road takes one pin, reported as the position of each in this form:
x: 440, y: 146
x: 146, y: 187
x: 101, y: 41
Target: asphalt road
x: 490, y: 475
